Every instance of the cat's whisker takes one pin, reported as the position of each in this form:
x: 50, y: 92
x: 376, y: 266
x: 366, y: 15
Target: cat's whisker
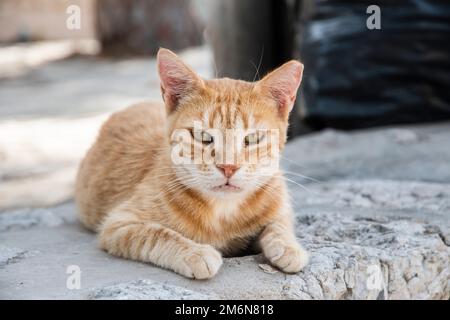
x: 259, y: 65
x: 180, y: 180
x: 216, y: 71
x: 173, y: 184
x: 292, y: 181
x: 163, y: 175
x: 301, y: 186
x: 168, y: 169
x: 272, y: 192
x: 182, y: 188
x: 175, y: 190
x: 293, y: 162
x: 302, y: 176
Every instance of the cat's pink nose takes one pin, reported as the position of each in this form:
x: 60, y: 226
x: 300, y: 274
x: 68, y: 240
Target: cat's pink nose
x: 228, y: 169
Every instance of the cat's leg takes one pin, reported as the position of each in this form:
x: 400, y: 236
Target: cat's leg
x: 125, y: 235
x: 280, y: 247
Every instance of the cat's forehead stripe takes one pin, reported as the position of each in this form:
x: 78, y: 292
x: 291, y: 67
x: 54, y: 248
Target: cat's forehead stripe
x: 245, y: 119
x: 205, y: 117
x: 250, y: 120
x: 239, y: 123
x: 217, y: 120
x: 224, y: 115
x: 232, y: 115
x: 227, y: 111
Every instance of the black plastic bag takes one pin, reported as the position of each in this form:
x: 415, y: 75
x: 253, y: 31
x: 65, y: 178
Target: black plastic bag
x: 356, y: 77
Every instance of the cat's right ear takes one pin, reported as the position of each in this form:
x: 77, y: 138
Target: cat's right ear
x: 177, y: 79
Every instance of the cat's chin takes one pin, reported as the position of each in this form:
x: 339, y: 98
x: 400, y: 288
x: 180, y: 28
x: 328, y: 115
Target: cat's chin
x: 227, y: 188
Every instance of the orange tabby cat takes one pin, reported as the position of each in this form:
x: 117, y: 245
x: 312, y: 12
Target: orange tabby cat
x: 183, y: 215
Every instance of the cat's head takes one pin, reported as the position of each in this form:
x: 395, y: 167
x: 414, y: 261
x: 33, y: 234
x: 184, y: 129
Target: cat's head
x: 226, y: 134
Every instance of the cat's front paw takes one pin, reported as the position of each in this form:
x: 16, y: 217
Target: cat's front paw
x: 289, y: 257
x: 201, y: 262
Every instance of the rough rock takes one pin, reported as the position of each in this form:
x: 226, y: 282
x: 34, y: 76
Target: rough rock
x: 146, y: 289
x: 376, y: 224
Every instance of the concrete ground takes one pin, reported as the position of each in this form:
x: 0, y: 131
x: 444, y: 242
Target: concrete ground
x: 376, y: 217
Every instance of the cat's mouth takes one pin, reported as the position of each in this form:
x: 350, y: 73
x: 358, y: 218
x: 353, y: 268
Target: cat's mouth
x: 227, y: 187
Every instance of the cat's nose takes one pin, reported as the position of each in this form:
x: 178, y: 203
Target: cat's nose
x: 228, y: 169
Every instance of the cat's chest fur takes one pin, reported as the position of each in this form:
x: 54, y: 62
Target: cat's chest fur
x: 227, y: 232
x: 225, y: 211
x: 229, y: 226
x: 239, y: 241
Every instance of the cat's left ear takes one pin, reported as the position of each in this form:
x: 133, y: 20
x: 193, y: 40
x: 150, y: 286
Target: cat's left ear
x: 282, y: 85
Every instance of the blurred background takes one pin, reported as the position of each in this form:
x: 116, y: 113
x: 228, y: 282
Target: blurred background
x: 65, y: 65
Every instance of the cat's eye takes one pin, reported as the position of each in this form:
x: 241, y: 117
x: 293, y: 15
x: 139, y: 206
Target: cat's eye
x: 202, y: 136
x: 253, y: 138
